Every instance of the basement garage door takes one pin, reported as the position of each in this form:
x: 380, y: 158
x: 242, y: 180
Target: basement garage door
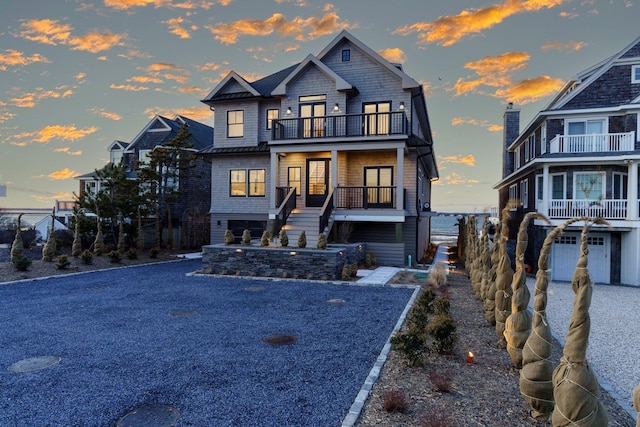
x: 565, y: 252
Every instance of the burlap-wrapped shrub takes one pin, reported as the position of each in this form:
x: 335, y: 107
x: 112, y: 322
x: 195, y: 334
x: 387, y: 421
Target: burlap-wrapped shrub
x: 477, y: 265
x: 229, y: 238
x: 535, y: 376
x: 284, y: 238
x: 264, y: 240
x: 486, y: 261
x: 49, y: 248
x: 302, y: 239
x: 322, y: 241
x: 575, y: 386
x: 17, y: 246
x: 490, y: 293
x: 636, y: 402
x: 504, y: 276
x: 76, y: 246
x: 246, y: 237
x: 518, y: 325
x: 462, y: 238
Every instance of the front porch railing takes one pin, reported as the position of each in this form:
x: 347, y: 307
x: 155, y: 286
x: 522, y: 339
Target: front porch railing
x: 285, y: 208
x: 592, y: 143
x: 325, y: 212
x: 366, y: 197
x: 607, y: 208
x: 340, y: 126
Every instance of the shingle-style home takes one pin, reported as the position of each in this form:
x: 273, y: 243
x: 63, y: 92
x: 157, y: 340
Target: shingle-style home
x: 194, y: 185
x: 339, y: 143
x: 579, y: 156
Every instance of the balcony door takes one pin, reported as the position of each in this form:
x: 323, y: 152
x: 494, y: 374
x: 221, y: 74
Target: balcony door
x: 377, y: 118
x: 312, y: 112
x: 586, y: 135
x: 318, y: 173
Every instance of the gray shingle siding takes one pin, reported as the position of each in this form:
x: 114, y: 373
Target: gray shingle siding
x: 612, y: 88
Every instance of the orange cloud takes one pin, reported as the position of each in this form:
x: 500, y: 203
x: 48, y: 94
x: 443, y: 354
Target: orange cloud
x: 192, y: 89
x: 209, y: 66
x: 530, y: 90
x: 80, y: 77
x: 393, y: 54
x: 100, y: 112
x: 68, y: 151
x: 129, y: 88
x: 47, y: 31
x: 57, y: 196
x: 175, y: 27
x: 187, y: 4
x: 457, y: 121
x: 46, y: 134
x: 448, y: 30
x: 28, y: 100
x: 298, y: 28
x: 65, y: 173
x: 571, y: 46
x: 145, y: 79
x: 95, y: 42
x: 468, y: 160
x: 13, y: 58
x: 457, y: 179
x: 197, y: 113
x: 6, y: 116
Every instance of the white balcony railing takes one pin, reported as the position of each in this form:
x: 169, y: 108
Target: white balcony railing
x: 592, y: 143
x: 607, y: 209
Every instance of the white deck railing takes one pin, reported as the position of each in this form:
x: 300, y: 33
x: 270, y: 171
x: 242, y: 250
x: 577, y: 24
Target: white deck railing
x: 593, y: 143
x: 607, y: 209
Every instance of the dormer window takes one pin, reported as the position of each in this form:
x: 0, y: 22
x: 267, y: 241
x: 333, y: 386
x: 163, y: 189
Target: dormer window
x: 346, y: 55
x: 635, y: 74
x: 116, y: 157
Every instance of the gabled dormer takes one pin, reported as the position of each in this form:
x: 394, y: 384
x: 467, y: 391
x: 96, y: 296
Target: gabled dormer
x: 116, y: 151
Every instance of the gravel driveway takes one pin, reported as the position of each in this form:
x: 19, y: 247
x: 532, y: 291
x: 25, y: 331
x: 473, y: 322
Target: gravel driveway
x: 151, y: 335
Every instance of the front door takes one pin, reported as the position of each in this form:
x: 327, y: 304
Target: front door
x: 318, y: 172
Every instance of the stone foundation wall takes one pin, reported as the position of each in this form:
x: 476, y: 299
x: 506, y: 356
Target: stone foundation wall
x: 323, y: 264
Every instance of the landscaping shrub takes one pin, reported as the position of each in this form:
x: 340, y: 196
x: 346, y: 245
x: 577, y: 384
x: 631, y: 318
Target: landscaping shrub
x: 411, y: 344
x: 322, y: 241
x: 346, y: 273
x: 442, y: 305
x: 229, y: 238
x: 115, y: 257
x: 436, y: 417
x: 87, y: 257
x: 443, y: 331
x: 394, y: 401
x: 246, y: 237
x: 264, y: 240
x: 442, y: 380
x: 302, y: 240
x: 153, y: 253
x: 132, y: 253
x: 22, y: 263
x: 284, y: 239
x: 438, y: 275
x: 63, y: 262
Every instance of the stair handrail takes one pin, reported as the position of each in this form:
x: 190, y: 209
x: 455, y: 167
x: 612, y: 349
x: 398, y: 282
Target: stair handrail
x: 325, y: 211
x: 284, y: 210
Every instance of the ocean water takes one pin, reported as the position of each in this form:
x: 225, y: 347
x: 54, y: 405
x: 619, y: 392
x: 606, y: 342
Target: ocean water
x: 444, y: 229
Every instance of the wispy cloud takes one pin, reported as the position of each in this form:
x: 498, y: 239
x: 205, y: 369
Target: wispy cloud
x: 199, y: 113
x: 168, y: 71
x: 14, y: 58
x: 176, y: 27
x: 448, y: 30
x: 209, y: 66
x: 65, y: 173
x: 494, y: 77
x: 62, y: 195
x: 68, y: 151
x: 299, y: 28
x: 6, y: 115
x: 30, y: 99
x: 47, y: 133
x: 128, y: 88
x: 393, y: 54
x: 468, y: 160
x: 186, y: 4
x: 457, y: 179
x: 193, y: 89
x: 145, y: 79
x: 52, y: 32
x: 491, y: 127
x: 570, y: 46
x: 106, y: 114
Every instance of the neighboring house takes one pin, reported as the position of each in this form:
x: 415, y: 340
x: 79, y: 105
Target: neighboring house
x: 194, y: 185
x: 339, y: 143
x: 579, y: 156
x: 43, y: 227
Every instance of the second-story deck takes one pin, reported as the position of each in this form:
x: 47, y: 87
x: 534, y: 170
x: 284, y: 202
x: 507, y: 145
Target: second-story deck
x: 593, y: 143
x: 340, y: 126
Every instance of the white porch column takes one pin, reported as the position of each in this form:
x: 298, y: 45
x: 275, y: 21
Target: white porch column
x: 334, y: 174
x: 274, y: 180
x: 400, y: 182
x: 632, y: 190
x: 546, y: 195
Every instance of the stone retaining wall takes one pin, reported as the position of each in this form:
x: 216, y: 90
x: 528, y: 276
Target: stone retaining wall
x: 260, y: 261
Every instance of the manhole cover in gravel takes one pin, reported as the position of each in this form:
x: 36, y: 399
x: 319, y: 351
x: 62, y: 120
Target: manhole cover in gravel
x: 182, y: 313
x: 280, y: 339
x: 254, y: 288
x: 335, y: 301
x: 34, y: 364
x: 151, y: 416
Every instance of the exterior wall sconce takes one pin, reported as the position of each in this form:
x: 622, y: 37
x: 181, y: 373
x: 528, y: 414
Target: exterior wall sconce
x: 401, y: 107
x: 336, y: 109
x: 288, y: 113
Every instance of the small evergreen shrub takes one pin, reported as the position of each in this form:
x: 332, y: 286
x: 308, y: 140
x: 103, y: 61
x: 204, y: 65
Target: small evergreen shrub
x: 229, y: 238
x: 369, y: 260
x: 354, y: 269
x: 322, y: 241
x: 284, y: 239
x: 346, y: 273
x: 411, y: 344
x: 246, y: 237
x: 443, y: 331
x: 87, y: 257
x: 153, y: 253
x: 115, y: 257
x: 264, y: 240
x: 22, y: 264
x: 62, y: 262
x: 302, y: 240
x: 442, y: 305
x: 394, y: 401
x: 132, y: 253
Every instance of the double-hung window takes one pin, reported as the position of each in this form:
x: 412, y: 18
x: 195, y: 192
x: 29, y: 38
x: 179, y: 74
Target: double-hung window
x: 557, y: 187
x: 588, y: 185
x: 238, y: 183
x: 257, y: 182
x: 272, y: 114
x: 635, y: 74
x: 235, y: 124
x: 294, y: 179
x: 243, y: 182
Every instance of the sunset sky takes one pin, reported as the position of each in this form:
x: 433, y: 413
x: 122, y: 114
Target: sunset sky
x: 75, y: 75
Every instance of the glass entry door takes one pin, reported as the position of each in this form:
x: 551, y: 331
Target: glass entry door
x: 318, y: 172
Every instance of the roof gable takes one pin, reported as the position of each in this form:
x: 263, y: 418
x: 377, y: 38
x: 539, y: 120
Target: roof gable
x: 233, y: 85
x: 311, y: 61
x: 407, y: 82
x: 156, y: 125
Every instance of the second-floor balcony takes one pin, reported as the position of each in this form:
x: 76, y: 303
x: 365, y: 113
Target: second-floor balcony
x: 340, y: 126
x: 571, y: 208
x: 593, y: 143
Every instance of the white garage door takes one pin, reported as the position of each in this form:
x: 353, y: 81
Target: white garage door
x: 565, y: 252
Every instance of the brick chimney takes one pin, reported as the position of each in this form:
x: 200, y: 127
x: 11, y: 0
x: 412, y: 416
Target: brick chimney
x: 510, y: 131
